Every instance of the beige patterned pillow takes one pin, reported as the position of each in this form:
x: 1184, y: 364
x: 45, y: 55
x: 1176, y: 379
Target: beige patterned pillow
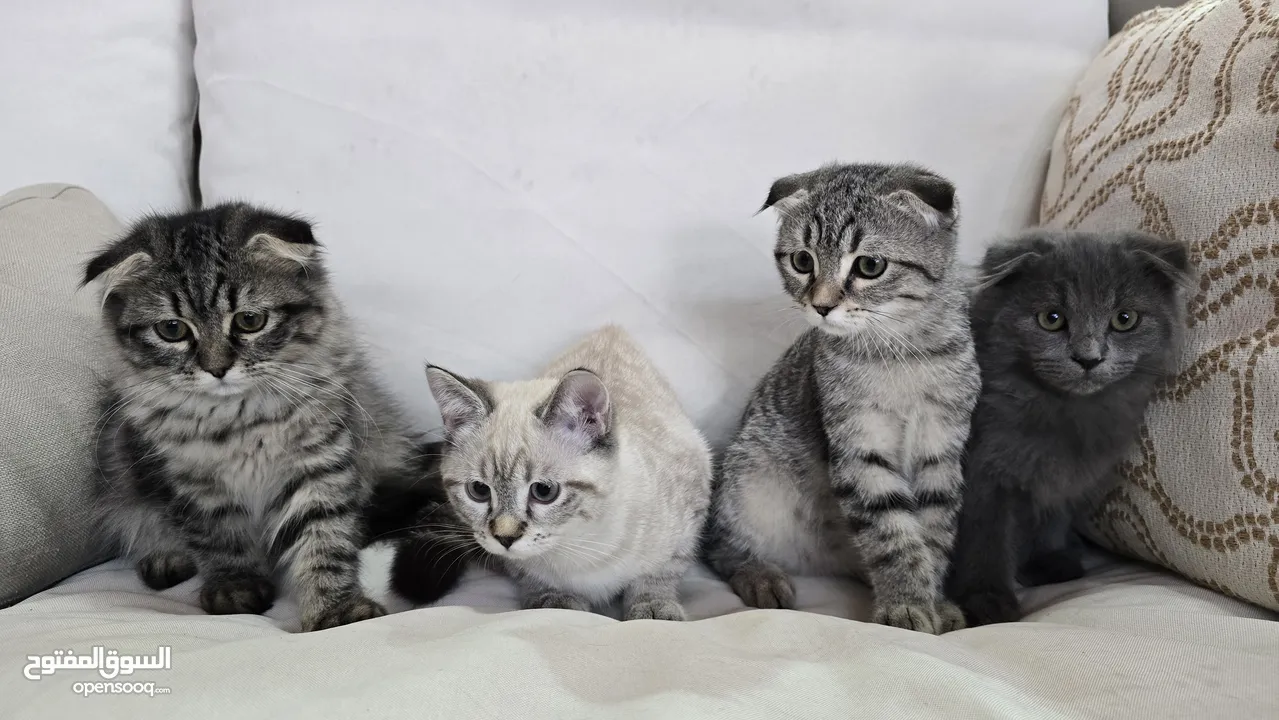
x: 1175, y: 129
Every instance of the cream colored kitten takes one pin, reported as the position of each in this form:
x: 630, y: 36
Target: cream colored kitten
x: 587, y: 483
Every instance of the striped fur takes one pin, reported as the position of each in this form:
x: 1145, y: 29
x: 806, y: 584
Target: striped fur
x: 237, y: 451
x: 848, y: 458
x: 631, y: 476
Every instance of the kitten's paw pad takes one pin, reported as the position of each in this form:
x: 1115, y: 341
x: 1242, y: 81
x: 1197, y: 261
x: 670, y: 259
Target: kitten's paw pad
x: 1053, y: 568
x: 557, y: 601
x: 351, y: 611
x: 237, y: 595
x: 919, y: 617
x: 764, y: 586
x: 988, y: 608
x: 950, y: 617
x: 162, y: 571
x: 656, y: 610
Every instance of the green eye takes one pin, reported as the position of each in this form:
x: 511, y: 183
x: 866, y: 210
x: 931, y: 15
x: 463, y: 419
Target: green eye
x: 249, y: 322
x: 869, y: 266
x: 802, y: 261
x: 172, y: 330
x: 1051, y: 321
x: 1124, y: 320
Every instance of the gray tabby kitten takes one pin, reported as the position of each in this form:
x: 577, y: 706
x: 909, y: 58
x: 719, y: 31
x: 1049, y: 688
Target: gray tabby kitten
x: 242, y: 431
x: 1074, y: 332
x: 587, y: 483
x: 848, y: 459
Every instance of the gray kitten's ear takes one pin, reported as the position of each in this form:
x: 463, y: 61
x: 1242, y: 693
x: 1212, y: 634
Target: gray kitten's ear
x: 788, y: 191
x: 463, y: 402
x: 1004, y: 260
x: 580, y: 408
x: 1168, y: 258
x: 116, y: 266
x: 921, y: 192
x: 122, y: 261
x: 284, y: 240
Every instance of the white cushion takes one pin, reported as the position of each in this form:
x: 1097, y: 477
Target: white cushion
x: 496, y: 178
x: 100, y: 95
x: 1127, y: 641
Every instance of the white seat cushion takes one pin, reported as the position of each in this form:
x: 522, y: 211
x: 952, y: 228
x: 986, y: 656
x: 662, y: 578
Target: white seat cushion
x: 102, y: 96
x: 494, y: 179
x: 1126, y: 641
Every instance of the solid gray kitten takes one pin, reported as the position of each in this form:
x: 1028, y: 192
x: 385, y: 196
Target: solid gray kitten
x: 241, y: 430
x: 1074, y: 332
x: 848, y: 459
x: 584, y: 484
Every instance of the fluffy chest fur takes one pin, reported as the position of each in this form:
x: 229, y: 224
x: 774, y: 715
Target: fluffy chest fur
x: 902, y: 398
x: 244, y: 448
x: 1058, y: 450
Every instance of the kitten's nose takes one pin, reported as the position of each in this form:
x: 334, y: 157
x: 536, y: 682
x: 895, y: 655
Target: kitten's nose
x: 507, y: 530
x: 1087, y: 363
x: 823, y: 309
x: 217, y: 372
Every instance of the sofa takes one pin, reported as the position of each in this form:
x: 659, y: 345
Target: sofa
x: 491, y: 180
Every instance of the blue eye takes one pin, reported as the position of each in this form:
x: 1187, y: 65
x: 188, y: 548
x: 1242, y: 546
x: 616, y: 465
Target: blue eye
x: 478, y: 491
x: 544, y: 491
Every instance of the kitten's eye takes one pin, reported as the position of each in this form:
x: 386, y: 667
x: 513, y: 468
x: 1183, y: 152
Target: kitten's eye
x: 870, y: 266
x: 1124, y: 320
x: 545, y: 491
x: 172, y: 330
x: 249, y: 322
x: 478, y: 491
x: 802, y: 261
x: 1051, y: 321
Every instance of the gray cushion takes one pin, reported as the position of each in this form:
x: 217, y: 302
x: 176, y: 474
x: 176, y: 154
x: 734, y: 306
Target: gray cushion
x: 48, y: 385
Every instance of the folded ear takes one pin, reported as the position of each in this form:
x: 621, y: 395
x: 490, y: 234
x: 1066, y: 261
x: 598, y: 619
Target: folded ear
x: 284, y: 241
x: 1005, y: 260
x: 921, y: 192
x: 124, y: 261
x: 463, y: 402
x: 580, y: 409
x: 788, y: 191
x: 1168, y: 258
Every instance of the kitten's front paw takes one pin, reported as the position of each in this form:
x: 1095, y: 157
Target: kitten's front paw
x: 990, y: 607
x: 951, y: 617
x: 247, y: 593
x: 763, y: 586
x: 656, y: 610
x: 161, y: 571
x: 920, y: 617
x: 354, y: 610
x: 556, y: 601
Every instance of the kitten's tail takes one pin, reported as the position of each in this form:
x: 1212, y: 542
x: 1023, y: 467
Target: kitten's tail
x: 401, y: 496
x: 414, y: 511
x: 429, y: 563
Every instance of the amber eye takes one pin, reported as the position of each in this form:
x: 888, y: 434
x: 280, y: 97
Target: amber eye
x: 478, y: 491
x: 545, y: 491
x: 1051, y: 321
x: 870, y: 266
x: 172, y: 330
x: 1124, y: 320
x: 802, y: 261
x: 249, y: 322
